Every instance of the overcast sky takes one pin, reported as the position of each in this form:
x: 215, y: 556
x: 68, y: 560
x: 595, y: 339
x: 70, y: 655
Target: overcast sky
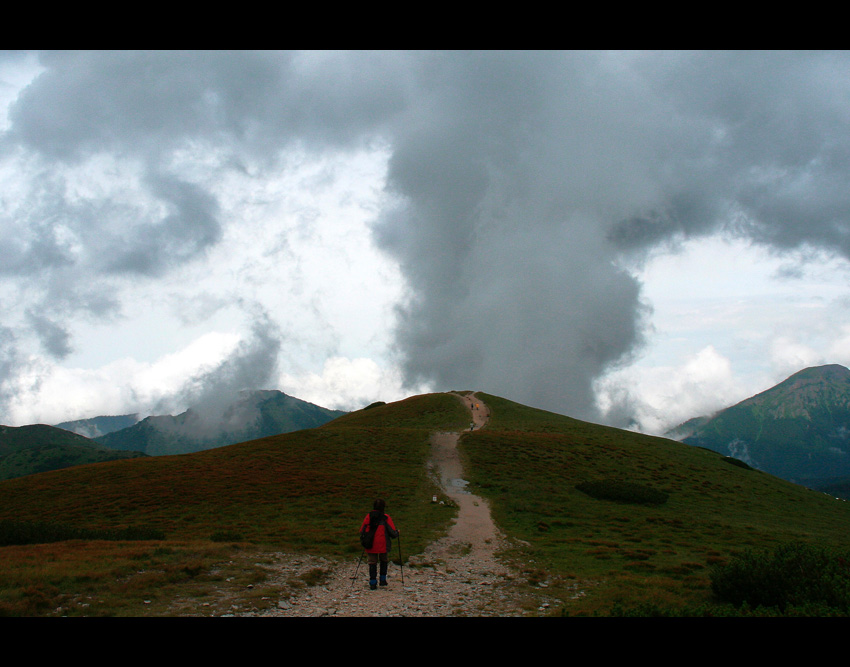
x: 631, y: 238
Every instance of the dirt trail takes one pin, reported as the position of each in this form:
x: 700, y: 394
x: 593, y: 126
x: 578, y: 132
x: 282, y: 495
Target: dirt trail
x: 458, y: 575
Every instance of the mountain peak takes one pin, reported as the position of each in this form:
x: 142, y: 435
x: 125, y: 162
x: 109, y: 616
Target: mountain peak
x: 829, y: 372
x: 810, y: 386
x: 798, y: 429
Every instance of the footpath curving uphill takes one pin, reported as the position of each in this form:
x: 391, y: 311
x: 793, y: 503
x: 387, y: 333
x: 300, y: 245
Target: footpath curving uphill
x: 458, y: 575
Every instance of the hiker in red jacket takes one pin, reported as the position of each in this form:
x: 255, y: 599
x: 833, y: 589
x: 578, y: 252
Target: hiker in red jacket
x: 384, y: 529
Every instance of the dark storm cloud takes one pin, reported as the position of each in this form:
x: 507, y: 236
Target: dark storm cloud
x: 769, y: 147
x: 187, y: 231
x: 521, y: 180
x: 144, y: 107
x: 531, y: 177
x: 148, y: 102
x: 54, y: 338
x: 11, y: 365
x: 507, y: 187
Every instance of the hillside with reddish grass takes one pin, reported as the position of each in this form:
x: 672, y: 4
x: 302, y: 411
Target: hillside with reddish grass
x: 644, y: 519
x: 301, y: 490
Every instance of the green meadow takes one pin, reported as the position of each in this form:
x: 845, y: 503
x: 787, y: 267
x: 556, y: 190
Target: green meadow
x: 699, y: 509
x: 634, y: 522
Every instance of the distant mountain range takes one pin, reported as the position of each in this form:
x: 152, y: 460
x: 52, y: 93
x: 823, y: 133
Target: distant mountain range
x: 798, y: 430
x: 98, y: 426
x: 256, y: 414
x: 26, y: 450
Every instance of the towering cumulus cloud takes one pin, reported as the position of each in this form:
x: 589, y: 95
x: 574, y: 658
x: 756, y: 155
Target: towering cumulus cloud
x: 528, y: 179
x: 521, y: 187
x: 510, y: 178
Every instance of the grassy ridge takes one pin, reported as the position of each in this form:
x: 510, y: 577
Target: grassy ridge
x: 25, y: 450
x: 42, y: 458
x: 302, y: 492
x: 295, y: 490
x: 529, y: 462
x: 430, y: 412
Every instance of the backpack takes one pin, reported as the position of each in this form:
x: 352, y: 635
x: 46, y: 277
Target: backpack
x: 367, y: 537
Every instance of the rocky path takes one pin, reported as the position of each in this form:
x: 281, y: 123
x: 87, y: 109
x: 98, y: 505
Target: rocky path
x: 459, y: 575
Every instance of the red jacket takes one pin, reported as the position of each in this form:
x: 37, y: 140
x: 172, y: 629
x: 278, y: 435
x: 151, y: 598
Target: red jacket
x: 381, y: 544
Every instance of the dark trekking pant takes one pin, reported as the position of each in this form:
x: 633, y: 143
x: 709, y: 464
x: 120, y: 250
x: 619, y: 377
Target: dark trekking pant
x: 374, y: 561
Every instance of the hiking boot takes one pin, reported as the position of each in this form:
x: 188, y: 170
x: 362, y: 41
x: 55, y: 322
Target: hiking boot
x: 383, y: 581
x: 373, y: 585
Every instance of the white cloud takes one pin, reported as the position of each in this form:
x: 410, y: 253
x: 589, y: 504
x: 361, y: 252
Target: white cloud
x: 730, y: 319
x: 50, y: 393
x: 660, y: 397
x: 349, y: 384
x: 789, y: 356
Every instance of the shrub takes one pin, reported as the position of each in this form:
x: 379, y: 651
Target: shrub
x: 226, y: 536
x: 738, y: 462
x: 315, y: 576
x: 34, y: 532
x: 794, y: 575
x: 622, y: 492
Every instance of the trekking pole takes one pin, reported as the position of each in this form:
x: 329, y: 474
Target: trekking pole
x: 354, y: 578
x: 400, y: 561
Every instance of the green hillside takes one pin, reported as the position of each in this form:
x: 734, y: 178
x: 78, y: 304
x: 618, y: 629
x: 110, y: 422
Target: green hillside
x: 15, y: 438
x: 530, y: 464
x: 25, y: 450
x: 798, y: 430
x: 306, y: 489
x: 551, y: 481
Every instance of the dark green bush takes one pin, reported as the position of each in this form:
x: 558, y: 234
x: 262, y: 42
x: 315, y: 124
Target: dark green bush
x: 33, y: 532
x: 622, y: 492
x: 737, y: 462
x: 654, y: 610
x: 129, y: 533
x: 709, y: 610
x: 226, y: 536
x: 793, y: 576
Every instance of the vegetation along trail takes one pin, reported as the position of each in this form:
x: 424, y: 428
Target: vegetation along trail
x: 458, y: 575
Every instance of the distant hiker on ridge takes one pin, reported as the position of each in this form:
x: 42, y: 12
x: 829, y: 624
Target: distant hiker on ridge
x: 375, y: 533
